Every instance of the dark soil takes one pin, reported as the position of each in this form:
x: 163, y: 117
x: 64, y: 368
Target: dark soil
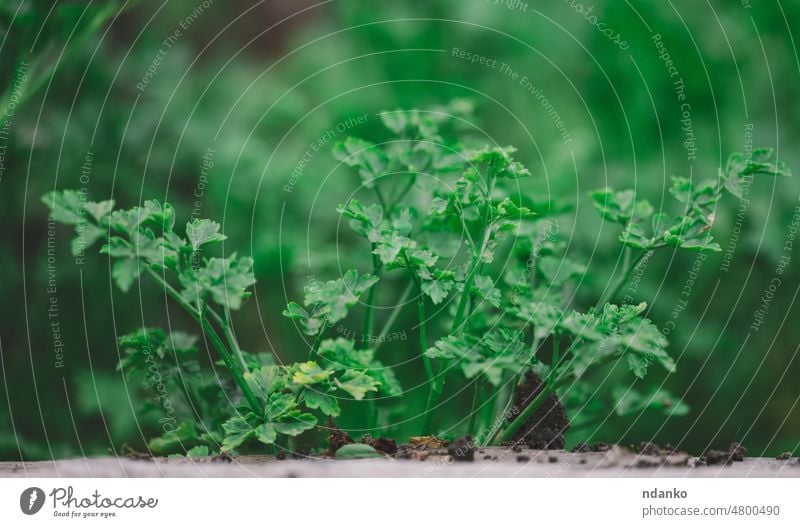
x: 784, y: 457
x: 654, y: 455
x: 337, y: 438
x: 462, y: 449
x: 716, y: 457
x: 582, y: 448
x: 404, y: 451
x: 600, y: 446
x: 302, y: 452
x: 735, y: 452
x: 222, y: 457
x: 647, y: 448
x: 427, y: 442
x: 647, y: 462
x: 384, y: 445
x: 544, y: 430
x: 409, y: 451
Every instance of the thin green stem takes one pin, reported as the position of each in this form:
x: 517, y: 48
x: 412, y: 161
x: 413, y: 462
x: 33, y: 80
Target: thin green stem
x: 464, y: 226
x: 506, y: 408
x: 558, y: 377
x: 556, y: 350
x: 369, y: 315
x: 433, y: 397
x: 318, y: 341
x: 534, y: 346
x: 234, y: 340
x: 519, y: 376
x: 487, y: 411
x: 211, y: 333
x: 380, y: 196
x: 405, y: 190
x: 473, y: 409
x: 437, y: 386
x: 423, y: 334
x: 631, y: 266
x: 369, y: 320
x: 433, y: 380
x: 393, y: 316
x: 612, y: 292
x: 230, y: 337
x: 372, y: 414
x: 508, y: 433
x: 462, y: 303
x: 475, y: 263
x: 459, y: 320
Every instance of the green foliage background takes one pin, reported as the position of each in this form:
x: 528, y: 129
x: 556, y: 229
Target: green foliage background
x: 252, y: 86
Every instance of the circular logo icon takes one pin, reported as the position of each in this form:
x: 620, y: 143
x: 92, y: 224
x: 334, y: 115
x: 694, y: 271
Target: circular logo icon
x: 31, y: 500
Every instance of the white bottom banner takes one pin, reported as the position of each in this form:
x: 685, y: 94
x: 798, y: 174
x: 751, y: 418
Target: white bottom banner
x: 400, y: 502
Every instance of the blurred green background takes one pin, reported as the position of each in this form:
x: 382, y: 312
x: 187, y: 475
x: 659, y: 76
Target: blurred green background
x: 212, y: 105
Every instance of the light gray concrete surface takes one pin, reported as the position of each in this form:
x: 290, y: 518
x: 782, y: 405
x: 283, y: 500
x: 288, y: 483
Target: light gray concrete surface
x: 503, y: 463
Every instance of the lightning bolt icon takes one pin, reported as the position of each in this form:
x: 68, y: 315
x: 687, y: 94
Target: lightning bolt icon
x: 32, y: 499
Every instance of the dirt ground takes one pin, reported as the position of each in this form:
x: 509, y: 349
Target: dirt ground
x: 488, y: 462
